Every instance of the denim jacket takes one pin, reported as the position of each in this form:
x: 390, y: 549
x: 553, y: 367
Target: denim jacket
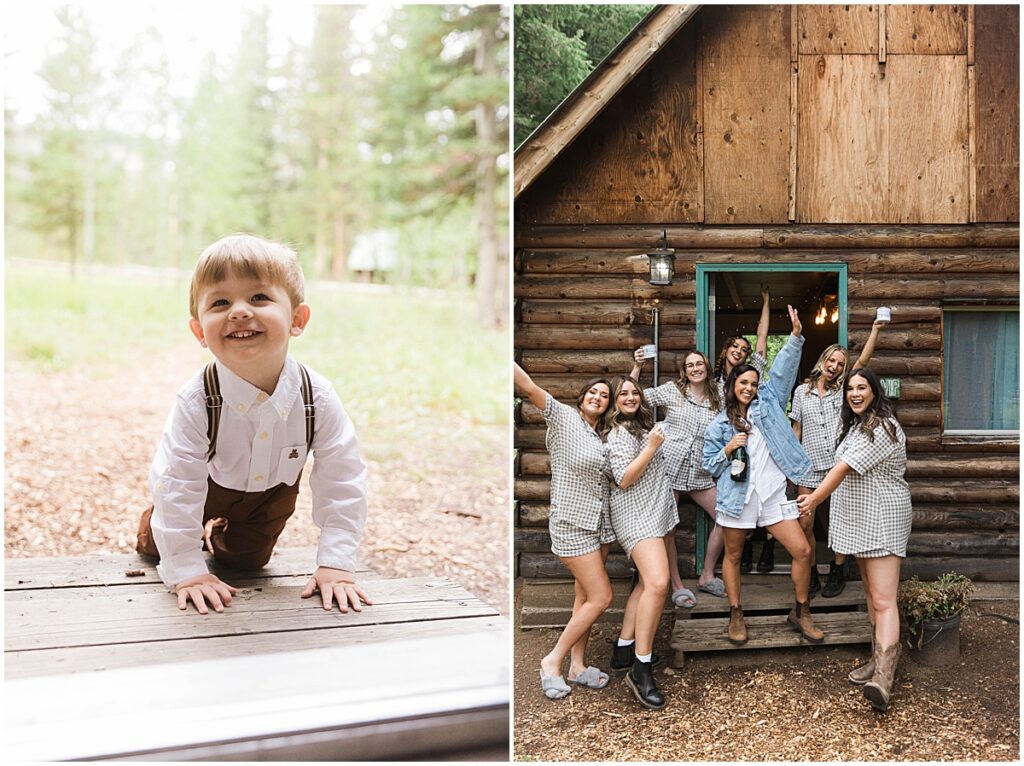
x: 767, y: 412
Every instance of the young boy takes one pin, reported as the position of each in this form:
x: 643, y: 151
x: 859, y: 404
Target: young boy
x: 226, y: 473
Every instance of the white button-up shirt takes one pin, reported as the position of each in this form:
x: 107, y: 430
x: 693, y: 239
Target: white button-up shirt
x: 261, y: 443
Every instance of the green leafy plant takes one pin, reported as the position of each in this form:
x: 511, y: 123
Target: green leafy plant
x: 939, y: 600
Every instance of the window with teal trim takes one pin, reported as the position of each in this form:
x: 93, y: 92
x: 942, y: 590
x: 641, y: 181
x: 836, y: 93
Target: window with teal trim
x: 981, y: 370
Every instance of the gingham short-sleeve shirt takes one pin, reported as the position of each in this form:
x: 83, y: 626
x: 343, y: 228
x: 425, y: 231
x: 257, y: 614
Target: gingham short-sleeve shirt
x: 687, y: 420
x: 871, y: 509
x: 579, y: 484
x: 758, y: 361
x: 819, y: 424
x: 646, y: 508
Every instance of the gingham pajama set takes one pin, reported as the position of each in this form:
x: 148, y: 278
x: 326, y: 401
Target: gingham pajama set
x: 819, y: 428
x: 871, y: 511
x: 578, y: 520
x: 687, y: 420
x: 646, y: 508
x: 758, y: 361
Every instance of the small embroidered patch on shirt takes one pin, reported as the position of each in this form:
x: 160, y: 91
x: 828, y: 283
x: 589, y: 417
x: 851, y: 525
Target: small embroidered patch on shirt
x: 293, y: 454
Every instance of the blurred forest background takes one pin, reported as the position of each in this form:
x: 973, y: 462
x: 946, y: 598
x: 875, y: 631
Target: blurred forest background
x: 375, y: 142
x: 557, y: 46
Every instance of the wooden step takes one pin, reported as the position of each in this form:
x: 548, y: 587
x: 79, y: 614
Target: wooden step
x: 764, y: 632
x: 770, y: 592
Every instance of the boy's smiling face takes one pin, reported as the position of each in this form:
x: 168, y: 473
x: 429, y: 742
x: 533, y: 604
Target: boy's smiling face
x: 247, y: 324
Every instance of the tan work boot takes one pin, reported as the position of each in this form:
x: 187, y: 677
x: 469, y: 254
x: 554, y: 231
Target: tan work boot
x: 737, y: 628
x: 800, y: 618
x: 862, y: 674
x: 879, y: 688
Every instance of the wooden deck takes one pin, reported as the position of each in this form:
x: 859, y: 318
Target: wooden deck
x: 423, y: 673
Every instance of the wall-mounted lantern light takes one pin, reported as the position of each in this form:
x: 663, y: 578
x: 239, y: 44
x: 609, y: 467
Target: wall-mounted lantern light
x: 662, y: 262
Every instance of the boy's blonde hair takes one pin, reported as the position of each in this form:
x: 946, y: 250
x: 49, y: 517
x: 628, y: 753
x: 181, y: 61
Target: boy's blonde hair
x: 247, y: 256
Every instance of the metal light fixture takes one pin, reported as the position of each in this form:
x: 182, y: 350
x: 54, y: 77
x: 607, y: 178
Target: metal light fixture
x: 662, y: 262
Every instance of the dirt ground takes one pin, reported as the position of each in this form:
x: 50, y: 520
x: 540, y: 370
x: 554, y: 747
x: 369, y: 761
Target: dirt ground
x: 782, y: 704
x: 78, y: 449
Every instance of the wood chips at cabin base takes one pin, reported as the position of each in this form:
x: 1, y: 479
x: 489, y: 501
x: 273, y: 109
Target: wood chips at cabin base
x: 782, y: 704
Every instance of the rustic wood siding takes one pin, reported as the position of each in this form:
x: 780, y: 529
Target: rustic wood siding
x: 583, y: 305
x: 865, y: 114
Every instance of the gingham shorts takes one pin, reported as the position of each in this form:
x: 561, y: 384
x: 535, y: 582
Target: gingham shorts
x: 568, y: 540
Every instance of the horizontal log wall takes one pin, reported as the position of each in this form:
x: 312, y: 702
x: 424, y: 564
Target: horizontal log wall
x: 583, y: 304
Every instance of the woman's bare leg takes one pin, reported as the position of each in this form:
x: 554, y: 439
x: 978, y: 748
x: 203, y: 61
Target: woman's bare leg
x: 883, y: 580
x: 670, y: 551
x: 594, y: 595
x: 792, y: 537
x: 734, y: 539
x: 648, y: 555
x: 706, y: 499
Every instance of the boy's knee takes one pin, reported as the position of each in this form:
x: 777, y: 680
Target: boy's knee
x: 244, y: 560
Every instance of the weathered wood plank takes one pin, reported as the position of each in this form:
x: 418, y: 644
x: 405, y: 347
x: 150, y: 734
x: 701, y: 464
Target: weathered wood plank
x: 746, y: 73
x: 673, y: 337
x: 927, y: 286
x: 928, y: 161
x: 926, y: 29
x: 601, y: 288
x: 838, y: 29
x: 358, y: 707
x: 765, y: 632
x: 547, y: 565
x: 957, y: 543
x: 606, y: 312
x: 77, y: 659
x: 843, y: 139
x: 997, y: 81
x: 41, y: 619
x: 109, y: 569
x: 971, y: 517
x: 893, y: 237
x: 923, y: 337
x: 989, y: 568
x: 607, y: 262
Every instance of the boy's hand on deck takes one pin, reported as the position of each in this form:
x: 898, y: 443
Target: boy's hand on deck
x: 199, y: 590
x: 339, y: 585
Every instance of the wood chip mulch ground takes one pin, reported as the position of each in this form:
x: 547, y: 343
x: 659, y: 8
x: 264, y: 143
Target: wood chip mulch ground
x: 782, y: 704
x: 78, y: 448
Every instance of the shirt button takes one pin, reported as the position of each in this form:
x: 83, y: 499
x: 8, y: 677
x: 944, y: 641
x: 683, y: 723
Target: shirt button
x: 241, y: 408
x: 258, y: 477
x: 263, y: 435
x: 262, y: 396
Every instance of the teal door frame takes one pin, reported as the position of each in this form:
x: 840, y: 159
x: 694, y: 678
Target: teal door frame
x: 704, y: 272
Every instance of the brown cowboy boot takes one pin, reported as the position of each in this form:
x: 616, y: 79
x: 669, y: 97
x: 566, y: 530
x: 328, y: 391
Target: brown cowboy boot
x: 863, y: 673
x: 737, y: 628
x: 800, y: 618
x: 879, y: 688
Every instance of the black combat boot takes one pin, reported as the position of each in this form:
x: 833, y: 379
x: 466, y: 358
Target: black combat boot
x: 835, y: 582
x: 640, y: 679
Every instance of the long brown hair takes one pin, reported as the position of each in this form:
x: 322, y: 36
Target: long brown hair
x: 720, y: 362
x: 879, y: 412
x: 710, y: 389
x: 732, y: 404
x: 638, y: 424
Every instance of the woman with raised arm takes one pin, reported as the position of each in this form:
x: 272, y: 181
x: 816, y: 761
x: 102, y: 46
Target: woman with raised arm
x: 871, y: 518
x: 578, y: 522
x: 691, y: 403
x: 751, y: 450
x: 815, y: 415
x: 642, y: 512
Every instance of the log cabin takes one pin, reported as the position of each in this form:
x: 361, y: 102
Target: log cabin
x: 850, y: 157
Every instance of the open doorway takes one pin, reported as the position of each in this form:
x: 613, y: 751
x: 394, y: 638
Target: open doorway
x: 729, y: 303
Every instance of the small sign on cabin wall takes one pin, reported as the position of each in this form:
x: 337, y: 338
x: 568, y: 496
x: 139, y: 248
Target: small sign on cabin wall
x: 891, y: 387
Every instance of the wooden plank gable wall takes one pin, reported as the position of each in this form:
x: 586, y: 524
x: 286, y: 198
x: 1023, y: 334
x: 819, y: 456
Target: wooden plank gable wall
x: 881, y: 137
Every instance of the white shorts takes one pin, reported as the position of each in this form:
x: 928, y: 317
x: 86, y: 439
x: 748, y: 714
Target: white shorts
x: 758, y: 514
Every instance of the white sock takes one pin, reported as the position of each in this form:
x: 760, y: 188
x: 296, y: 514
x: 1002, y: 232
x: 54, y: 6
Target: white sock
x: 644, y: 657
x: 626, y: 642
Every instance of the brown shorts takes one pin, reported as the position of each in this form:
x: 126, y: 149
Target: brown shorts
x: 254, y: 522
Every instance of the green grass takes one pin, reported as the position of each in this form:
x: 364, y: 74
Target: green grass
x: 396, y: 357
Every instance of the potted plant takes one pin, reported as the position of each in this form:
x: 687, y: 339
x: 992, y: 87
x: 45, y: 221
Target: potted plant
x: 932, y: 611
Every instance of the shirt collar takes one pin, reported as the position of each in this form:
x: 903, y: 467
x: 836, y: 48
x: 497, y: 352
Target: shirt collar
x: 240, y: 395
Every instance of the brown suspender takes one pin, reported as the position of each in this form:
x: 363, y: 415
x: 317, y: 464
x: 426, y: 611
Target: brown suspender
x: 215, y: 402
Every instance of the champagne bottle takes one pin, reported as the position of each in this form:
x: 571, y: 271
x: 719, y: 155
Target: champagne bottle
x: 739, y: 464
